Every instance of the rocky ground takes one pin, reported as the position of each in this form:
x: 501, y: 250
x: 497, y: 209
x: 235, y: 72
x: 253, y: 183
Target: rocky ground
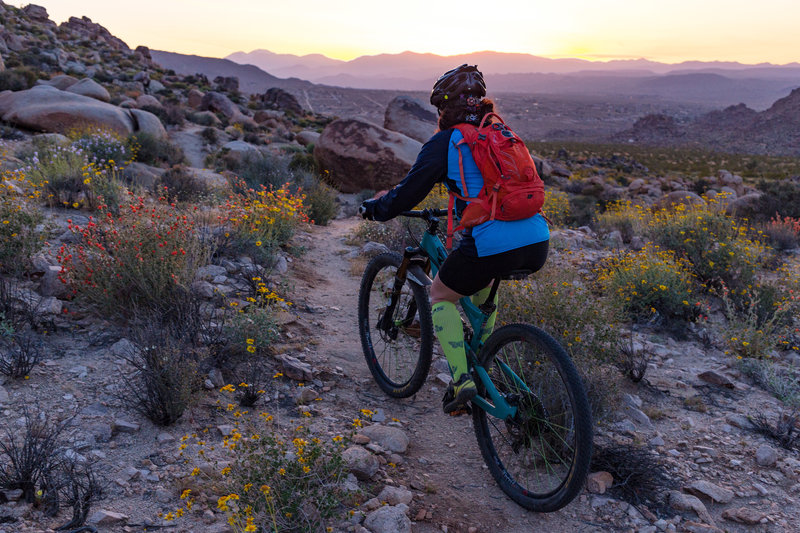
x: 692, y: 410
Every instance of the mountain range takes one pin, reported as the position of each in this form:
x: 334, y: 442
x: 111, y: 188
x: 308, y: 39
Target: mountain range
x: 710, y: 83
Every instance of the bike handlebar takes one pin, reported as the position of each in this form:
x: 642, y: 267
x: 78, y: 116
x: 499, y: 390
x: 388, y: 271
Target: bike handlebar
x: 425, y: 213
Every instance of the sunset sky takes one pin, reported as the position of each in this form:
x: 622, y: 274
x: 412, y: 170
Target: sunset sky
x: 673, y: 31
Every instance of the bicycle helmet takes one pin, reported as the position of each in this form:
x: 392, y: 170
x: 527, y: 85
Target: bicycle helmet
x: 465, y: 79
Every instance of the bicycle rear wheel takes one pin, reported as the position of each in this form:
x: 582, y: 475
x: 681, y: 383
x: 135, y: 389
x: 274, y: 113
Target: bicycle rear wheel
x: 398, y: 352
x: 540, y: 457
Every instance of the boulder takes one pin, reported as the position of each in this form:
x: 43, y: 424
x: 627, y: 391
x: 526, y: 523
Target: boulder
x: 228, y: 84
x: 218, y: 103
x: 194, y: 98
x: 360, y: 462
x: 410, y: 117
x: 680, y: 198
x: 208, y: 178
x: 61, y: 82
x: 279, y: 99
x: 307, y: 137
x: 360, y: 155
x: 388, y: 437
x: 388, y: 519
x: 37, y: 13
x: 747, y: 206
x: 263, y: 115
x: 142, y: 175
x: 146, y: 100
x: 90, y: 88
x: 45, y: 108
x: 146, y: 122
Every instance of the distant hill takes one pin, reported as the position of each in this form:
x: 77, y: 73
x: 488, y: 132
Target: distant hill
x: 737, y: 128
x: 715, y: 84
x: 251, y: 79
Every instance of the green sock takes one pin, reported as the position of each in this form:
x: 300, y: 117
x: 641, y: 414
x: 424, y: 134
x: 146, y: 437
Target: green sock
x: 478, y: 298
x: 450, y: 332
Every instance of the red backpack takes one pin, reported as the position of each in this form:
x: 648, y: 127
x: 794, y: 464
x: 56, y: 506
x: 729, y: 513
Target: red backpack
x: 512, y: 189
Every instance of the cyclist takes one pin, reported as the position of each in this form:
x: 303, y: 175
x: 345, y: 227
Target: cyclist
x: 485, y: 251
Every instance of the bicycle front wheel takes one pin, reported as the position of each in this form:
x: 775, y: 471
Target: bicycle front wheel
x: 540, y: 456
x: 398, y: 340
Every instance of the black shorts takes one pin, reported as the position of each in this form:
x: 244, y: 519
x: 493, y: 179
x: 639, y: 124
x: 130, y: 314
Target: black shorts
x: 467, y: 275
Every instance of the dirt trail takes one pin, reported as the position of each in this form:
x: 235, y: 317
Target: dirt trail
x: 443, y: 461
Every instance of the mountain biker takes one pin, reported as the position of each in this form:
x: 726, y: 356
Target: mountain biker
x: 485, y: 251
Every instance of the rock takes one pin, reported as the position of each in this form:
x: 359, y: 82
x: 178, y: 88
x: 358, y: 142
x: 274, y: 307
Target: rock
x: 410, y: 117
x: 90, y: 88
x: 13, y: 495
x: 195, y: 98
x: 146, y: 122
x: 714, y: 492
x: 307, y: 137
x: 599, y: 482
x: 360, y: 155
x: 207, y: 178
x: 296, y: 369
x: 91, y: 31
x: 50, y: 306
x: 142, y: 175
x: 122, y: 348
x: 744, y: 515
x: 60, y: 82
x: 276, y: 98
x: 305, y: 395
x: 3, y: 396
x: 388, y: 519
x: 218, y: 103
x: 636, y: 185
x: 680, y: 197
x: 694, y: 527
x: 51, y: 284
x: 205, y: 118
x: 107, y: 518
x: 215, y: 375
x: 361, y: 462
x: 395, y: 495
x: 614, y: 239
x: 124, y: 426
x: 687, y: 502
x: 391, y: 438
x: 766, y: 456
x: 241, y: 147
x: 101, y: 432
x: 746, y: 206
x: 265, y: 115
x: 146, y: 100
x: 209, y: 272
x: 228, y: 84
x: 715, y: 378
x: 45, y: 108
x: 37, y: 13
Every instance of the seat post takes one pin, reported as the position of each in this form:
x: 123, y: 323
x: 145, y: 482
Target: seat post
x: 488, y: 307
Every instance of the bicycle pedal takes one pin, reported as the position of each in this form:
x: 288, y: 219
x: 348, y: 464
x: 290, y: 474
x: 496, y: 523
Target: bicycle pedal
x: 465, y: 410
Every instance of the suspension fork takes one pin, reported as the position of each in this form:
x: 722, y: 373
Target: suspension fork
x: 412, y: 258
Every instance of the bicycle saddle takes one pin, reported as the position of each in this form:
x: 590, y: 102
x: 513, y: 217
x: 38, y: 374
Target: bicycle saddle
x: 517, y: 274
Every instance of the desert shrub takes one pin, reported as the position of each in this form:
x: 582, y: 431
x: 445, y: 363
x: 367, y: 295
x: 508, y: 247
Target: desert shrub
x: 181, y: 186
x: 164, y: 374
x: 322, y: 202
x: 274, y: 483
x: 259, y: 221
x: 556, y: 206
x: 650, y: 282
x: 304, y: 161
x: 269, y: 171
x: 582, y: 210
x: 29, y: 455
x: 718, y: 247
x: 170, y: 114
x: 19, y: 238
x: 210, y: 135
x: 623, y: 216
x: 104, y: 148
x: 558, y: 300
x: 69, y: 179
x: 783, y: 430
x: 19, y: 353
x: 782, y: 233
x: 252, y: 327
x: 779, y: 381
x: 780, y: 198
x: 139, y: 260
x: 754, y: 328
x: 18, y: 79
x: 154, y: 151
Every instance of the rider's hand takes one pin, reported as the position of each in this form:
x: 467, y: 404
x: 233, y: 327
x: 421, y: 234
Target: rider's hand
x: 367, y: 210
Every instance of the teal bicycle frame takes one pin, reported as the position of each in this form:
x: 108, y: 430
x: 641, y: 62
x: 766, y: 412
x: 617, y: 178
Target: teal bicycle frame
x: 494, y: 403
